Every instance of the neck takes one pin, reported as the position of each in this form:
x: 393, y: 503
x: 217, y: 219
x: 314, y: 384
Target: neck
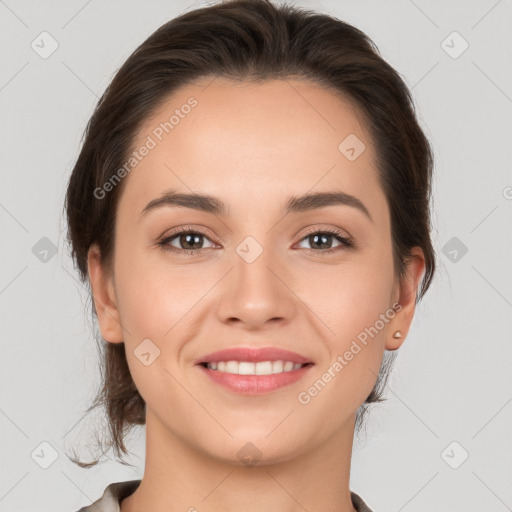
x: 178, y: 477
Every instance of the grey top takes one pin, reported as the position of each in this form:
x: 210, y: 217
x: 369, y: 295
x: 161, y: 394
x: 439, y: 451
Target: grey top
x: 117, y: 491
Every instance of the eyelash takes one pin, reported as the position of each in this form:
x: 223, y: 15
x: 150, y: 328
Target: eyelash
x: 346, y: 242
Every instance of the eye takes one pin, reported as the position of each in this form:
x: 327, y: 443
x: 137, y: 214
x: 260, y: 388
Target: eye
x: 321, y: 238
x: 188, y: 240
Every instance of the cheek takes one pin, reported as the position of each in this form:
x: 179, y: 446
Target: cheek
x: 349, y: 297
x: 356, y: 310
x: 154, y: 293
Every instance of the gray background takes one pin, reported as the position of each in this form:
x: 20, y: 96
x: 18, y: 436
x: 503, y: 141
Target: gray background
x: 452, y: 380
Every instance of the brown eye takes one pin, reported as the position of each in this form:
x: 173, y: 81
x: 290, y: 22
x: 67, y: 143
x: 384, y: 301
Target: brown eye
x: 186, y: 240
x: 321, y: 241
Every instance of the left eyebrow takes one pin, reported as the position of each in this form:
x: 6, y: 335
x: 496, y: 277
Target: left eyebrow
x: 211, y: 204
x: 318, y: 200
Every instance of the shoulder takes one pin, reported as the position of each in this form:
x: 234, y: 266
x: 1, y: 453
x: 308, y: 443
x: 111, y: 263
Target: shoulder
x: 359, y: 504
x: 113, y: 494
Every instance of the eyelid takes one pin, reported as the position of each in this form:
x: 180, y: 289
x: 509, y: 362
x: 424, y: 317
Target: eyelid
x: 189, y: 228
x: 332, y: 230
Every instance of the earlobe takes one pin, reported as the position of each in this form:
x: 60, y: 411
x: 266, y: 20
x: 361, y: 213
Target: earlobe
x: 104, y: 297
x: 407, y: 299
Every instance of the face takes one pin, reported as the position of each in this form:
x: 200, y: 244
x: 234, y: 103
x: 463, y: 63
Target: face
x: 312, y: 279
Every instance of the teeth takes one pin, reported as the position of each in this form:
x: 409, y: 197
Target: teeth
x: 289, y: 366
x: 248, y: 368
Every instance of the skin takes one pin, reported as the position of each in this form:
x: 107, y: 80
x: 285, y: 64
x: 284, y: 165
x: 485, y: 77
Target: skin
x: 251, y: 145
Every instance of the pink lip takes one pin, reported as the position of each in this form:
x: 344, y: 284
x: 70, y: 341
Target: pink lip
x: 255, y: 384
x: 253, y: 355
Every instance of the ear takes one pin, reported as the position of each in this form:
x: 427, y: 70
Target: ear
x: 405, y: 295
x: 104, y: 297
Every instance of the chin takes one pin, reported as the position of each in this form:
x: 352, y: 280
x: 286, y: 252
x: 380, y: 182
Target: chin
x: 256, y: 450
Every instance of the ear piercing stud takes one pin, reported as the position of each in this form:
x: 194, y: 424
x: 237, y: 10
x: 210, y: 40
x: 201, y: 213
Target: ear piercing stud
x: 397, y: 334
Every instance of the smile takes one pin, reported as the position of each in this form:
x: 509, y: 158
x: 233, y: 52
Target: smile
x: 250, y: 368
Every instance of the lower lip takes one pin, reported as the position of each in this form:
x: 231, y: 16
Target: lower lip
x: 255, y: 384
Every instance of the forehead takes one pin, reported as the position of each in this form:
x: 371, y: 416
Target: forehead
x: 249, y: 142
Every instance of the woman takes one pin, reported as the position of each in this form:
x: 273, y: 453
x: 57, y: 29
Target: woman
x: 251, y: 209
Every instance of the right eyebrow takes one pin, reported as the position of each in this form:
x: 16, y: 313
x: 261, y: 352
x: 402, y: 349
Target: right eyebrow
x: 201, y: 202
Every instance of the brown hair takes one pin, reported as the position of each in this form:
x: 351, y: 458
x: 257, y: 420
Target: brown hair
x: 245, y: 40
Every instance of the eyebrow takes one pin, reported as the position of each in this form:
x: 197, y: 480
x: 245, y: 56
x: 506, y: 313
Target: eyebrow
x: 210, y: 204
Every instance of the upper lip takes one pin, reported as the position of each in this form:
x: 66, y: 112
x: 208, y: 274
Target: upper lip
x: 253, y: 355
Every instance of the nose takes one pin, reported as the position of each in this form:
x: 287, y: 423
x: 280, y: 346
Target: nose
x: 257, y: 291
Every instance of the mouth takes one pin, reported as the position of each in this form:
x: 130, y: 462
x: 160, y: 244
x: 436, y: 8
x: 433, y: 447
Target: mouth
x: 248, y: 360
x: 254, y: 371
